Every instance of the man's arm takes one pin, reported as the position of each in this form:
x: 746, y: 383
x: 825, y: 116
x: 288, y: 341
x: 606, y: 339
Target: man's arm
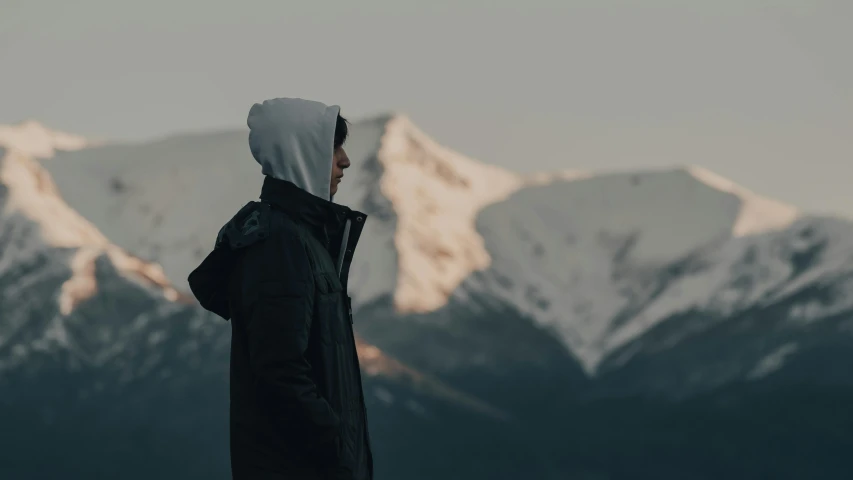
x: 278, y: 329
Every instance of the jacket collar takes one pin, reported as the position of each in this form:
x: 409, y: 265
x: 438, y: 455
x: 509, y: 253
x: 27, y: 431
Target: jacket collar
x: 327, y: 220
x: 302, y: 205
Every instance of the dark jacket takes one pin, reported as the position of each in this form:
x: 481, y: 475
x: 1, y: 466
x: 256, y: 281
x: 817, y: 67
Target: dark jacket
x: 279, y: 272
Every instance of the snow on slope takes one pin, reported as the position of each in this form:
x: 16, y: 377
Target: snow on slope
x: 585, y: 257
x: 31, y: 193
x: 28, y: 198
x: 431, y: 197
x: 165, y: 201
x: 576, y: 250
x: 761, y: 270
x: 436, y: 195
x: 757, y: 214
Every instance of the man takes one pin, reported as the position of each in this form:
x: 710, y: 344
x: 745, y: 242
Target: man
x: 279, y: 272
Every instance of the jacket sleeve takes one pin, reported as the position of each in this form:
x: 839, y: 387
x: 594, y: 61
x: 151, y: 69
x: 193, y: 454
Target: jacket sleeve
x: 280, y: 280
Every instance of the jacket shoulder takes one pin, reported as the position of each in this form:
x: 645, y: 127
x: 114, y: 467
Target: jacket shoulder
x: 255, y: 222
x: 241, y: 246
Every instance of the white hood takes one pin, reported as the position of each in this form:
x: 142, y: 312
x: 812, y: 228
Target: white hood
x: 293, y: 140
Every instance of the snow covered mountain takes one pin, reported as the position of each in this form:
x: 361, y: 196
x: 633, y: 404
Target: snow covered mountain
x: 587, y: 256
x: 611, y: 264
x: 559, y: 298
x: 424, y: 199
x: 100, y: 355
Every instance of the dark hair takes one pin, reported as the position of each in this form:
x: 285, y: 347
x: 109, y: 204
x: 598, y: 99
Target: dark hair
x: 341, y: 131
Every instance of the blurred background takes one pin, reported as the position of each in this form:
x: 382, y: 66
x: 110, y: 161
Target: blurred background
x: 607, y: 239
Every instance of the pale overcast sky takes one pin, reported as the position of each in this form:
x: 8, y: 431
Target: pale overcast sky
x: 759, y: 91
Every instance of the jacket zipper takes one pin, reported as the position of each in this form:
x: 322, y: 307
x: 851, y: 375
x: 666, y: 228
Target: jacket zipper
x: 343, y: 251
x: 341, y: 255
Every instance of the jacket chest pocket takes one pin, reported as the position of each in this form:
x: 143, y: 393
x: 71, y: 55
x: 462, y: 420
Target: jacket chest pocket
x: 331, y: 311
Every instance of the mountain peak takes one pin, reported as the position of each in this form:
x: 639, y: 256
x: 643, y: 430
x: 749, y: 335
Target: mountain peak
x: 32, y: 138
x: 436, y: 194
x: 757, y: 214
x: 30, y: 195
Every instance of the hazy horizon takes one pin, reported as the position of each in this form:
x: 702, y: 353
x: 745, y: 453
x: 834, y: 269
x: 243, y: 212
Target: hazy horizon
x: 760, y: 92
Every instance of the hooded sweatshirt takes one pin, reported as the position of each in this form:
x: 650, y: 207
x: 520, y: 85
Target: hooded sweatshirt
x: 288, y: 135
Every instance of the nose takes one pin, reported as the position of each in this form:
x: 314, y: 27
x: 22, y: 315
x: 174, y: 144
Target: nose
x: 344, y: 163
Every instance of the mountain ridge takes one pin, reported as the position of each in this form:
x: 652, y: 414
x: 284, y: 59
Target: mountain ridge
x: 432, y: 235
x: 621, y: 328
x: 29, y: 194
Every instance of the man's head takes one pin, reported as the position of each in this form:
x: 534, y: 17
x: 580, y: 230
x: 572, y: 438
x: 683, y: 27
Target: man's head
x: 340, y: 161
x: 299, y: 141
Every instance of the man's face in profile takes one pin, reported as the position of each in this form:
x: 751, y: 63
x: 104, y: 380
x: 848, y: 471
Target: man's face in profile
x: 340, y: 161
